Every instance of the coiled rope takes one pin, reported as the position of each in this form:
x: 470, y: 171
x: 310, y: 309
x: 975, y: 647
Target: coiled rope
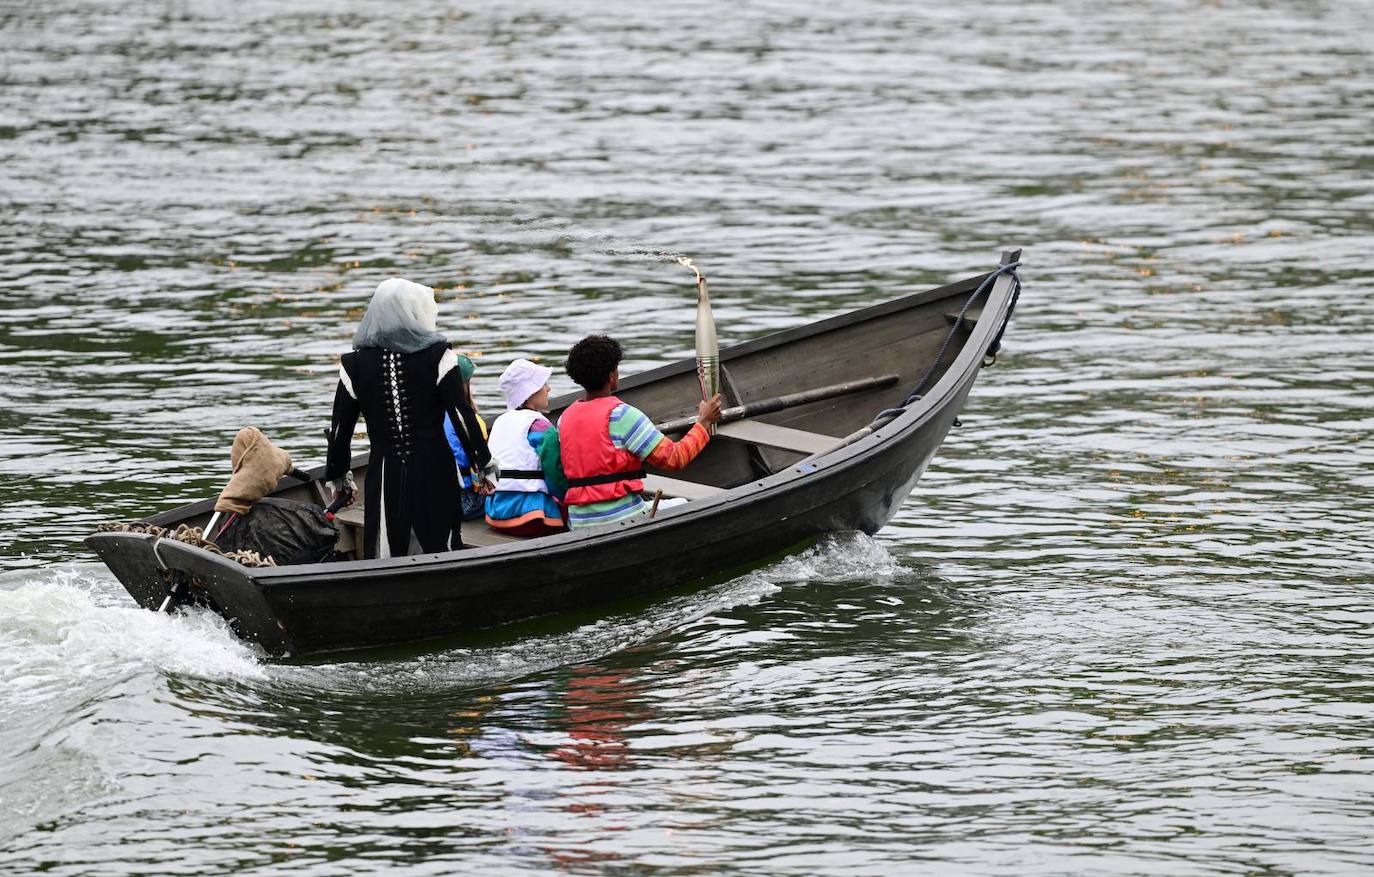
x: 191, y: 536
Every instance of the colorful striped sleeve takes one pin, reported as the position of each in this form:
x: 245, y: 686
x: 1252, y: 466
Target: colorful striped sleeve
x: 535, y: 434
x: 632, y: 431
x: 674, y: 455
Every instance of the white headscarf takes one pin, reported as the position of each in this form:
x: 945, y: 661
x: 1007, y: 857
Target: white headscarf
x: 402, y: 316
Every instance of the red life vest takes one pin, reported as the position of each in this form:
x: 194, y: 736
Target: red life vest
x: 584, y: 438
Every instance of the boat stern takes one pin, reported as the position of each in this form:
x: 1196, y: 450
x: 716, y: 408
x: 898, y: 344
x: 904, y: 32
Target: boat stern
x: 130, y: 557
x: 150, y: 566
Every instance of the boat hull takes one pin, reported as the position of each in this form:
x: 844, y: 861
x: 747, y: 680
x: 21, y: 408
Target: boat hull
x: 350, y: 605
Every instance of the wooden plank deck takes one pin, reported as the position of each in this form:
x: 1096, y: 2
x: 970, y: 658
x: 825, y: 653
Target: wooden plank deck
x: 475, y: 533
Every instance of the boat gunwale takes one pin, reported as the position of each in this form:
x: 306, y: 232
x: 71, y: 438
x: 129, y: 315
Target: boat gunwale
x: 796, y: 333
x: 766, y: 488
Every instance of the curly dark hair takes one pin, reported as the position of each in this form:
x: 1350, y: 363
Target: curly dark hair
x: 592, y: 360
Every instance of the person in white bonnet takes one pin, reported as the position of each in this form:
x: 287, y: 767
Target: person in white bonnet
x: 524, y: 444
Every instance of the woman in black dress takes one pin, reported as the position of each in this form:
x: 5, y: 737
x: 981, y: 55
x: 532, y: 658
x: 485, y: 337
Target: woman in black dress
x: 403, y: 378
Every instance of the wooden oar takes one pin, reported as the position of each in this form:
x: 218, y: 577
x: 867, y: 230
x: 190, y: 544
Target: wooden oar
x: 781, y: 403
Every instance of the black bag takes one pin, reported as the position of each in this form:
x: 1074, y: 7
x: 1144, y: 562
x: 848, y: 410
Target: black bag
x: 289, y: 532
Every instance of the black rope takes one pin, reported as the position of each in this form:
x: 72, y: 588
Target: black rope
x: 915, y: 394
x: 991, y: 356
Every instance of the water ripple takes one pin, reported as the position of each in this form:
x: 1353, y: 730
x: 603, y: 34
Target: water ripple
x: 1119, y: 628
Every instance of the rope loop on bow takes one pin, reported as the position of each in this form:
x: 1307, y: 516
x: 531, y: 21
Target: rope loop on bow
x: 989, y: 358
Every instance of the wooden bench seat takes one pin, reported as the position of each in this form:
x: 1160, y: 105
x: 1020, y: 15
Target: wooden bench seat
x: 352, y: 515
x: 970, y: 318
x: 477, y: 533
x: 474, y: 532
x: 783, y: 437
x: 676, y: 487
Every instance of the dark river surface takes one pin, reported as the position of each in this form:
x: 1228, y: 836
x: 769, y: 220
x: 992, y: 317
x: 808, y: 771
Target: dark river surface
x: 1123, y: 625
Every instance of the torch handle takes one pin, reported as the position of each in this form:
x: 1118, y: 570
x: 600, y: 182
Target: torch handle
x: 339, y: 502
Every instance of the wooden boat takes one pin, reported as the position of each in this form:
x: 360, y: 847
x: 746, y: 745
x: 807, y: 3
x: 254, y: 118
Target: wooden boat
x: 802, y: 457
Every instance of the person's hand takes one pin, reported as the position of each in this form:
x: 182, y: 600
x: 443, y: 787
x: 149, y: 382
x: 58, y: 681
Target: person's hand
x: 484, y: 487
x: 708, y: 412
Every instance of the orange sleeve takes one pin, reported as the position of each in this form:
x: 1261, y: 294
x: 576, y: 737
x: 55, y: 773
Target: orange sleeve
x: 673, y: 455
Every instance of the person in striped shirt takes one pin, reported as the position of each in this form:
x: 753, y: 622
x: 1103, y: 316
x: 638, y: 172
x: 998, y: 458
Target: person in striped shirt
x: 604, y: 442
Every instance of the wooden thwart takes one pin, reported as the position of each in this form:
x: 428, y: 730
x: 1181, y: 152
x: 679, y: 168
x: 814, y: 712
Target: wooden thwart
x: 677, y: 487
x: 970, y: 318
x: 352, y: 515
x: 477, y: 533
x: 784, y: 437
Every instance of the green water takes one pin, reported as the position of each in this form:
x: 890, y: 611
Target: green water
x: 1121, y: 627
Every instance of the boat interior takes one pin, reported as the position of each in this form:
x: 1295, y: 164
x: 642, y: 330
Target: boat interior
x: 794, y: 394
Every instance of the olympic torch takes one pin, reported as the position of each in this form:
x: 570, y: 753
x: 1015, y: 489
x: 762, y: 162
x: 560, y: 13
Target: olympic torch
x: 708, y: 349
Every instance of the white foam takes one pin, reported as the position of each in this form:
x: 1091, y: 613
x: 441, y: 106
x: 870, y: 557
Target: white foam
x: 66, y: 630
x: 843, y: 557
x: 72, y: 631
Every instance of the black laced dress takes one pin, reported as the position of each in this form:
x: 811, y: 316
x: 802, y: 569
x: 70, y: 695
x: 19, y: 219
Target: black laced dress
x: 411, y: 501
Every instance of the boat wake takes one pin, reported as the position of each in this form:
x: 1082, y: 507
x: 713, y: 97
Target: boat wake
x: 71, y: 642
x: 846, y: 557
x: 70, y: 634
x: 77, y: 651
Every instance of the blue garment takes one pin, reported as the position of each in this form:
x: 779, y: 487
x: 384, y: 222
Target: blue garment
x: 472, y: 503
x: 518, y: 507
x: 459, y: 453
